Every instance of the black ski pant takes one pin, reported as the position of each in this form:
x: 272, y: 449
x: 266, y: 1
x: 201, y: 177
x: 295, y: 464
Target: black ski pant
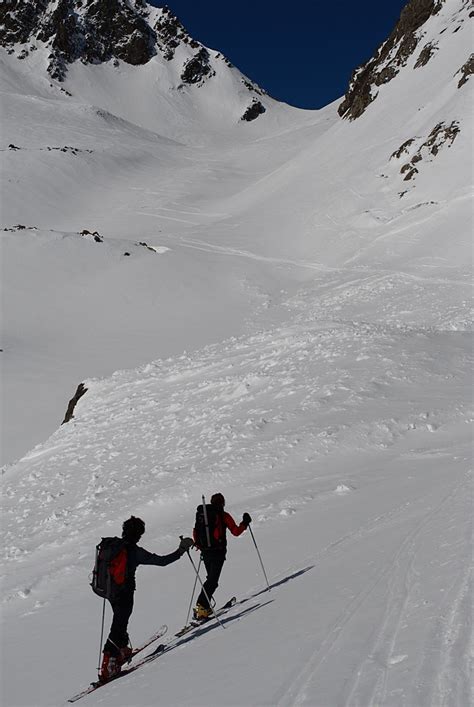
x: 118, y: 636
x: 213, y: 562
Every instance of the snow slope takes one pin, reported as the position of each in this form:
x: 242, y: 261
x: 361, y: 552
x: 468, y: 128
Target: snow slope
x: 290, y: 194
x: 273, y: 311
x: 350, y: 447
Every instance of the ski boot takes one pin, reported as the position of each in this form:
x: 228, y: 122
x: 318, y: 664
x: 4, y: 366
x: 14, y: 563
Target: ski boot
x: 125, y: 655
x: 200, y: 613
x: 110, y: 667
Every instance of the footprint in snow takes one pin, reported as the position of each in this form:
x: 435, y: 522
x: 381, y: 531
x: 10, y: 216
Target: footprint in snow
x: 342, y: 489
x: 397, y: 659
x: 287, y: 512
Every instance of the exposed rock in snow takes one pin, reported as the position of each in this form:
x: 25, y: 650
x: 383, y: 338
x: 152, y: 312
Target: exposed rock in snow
x: 252, y: 86
x: 440, y: 135
x: 466, y: 70
x: 426, y: 54
x: 20, y: 227
x: 114, y: 31
x: 197, y: 68
x: 80, y: 391
x: 95, y: 236
x: 95, y: 31
x: 392, y: 55
x: 19, y: 20
x: 255, y: 109
x: 403, y: 148
x: 170, y: 33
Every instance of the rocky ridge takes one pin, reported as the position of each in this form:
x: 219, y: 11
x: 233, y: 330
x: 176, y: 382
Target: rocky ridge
x: 92, y: 31
x: 96, y: 31
x: 395, y: 52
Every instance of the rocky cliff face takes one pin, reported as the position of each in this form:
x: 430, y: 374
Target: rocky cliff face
x: 92, y: 31
x: 170, y: 33
x: 95, y: 31
x: 395, y: 52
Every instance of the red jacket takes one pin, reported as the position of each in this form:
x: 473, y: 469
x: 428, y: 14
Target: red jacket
x: 224, y: 521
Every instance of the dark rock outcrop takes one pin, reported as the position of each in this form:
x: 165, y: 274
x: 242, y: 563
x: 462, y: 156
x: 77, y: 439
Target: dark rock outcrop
x: 252, y: 86
x: 197, y: 68
x: 19, y: 19
x: 253, y: 111
x: 440, y: 135
x: 143, y: 244
x: 92, y: 30
x: 170, y: 33
x: 81, y: 390
x: 403, y: 148
x: 94, y: 235
x: 466, y: 70
x: 388, y: 59
x: 96, y: 31
x: 426, y: 54
x: 21, y: 227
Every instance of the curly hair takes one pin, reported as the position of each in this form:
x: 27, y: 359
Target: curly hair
x: 133, y: 529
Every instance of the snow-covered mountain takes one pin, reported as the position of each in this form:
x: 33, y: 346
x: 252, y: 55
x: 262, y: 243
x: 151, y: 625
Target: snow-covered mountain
x: 132, y: 59
x: 416, y: 35
x: 275, y: 308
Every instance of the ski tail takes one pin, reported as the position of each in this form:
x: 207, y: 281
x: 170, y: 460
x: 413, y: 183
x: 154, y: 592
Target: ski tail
x: 155, y: 637
x: 95, y: 685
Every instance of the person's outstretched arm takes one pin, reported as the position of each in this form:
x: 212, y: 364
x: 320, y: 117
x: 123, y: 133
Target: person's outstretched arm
x: 150, y: 558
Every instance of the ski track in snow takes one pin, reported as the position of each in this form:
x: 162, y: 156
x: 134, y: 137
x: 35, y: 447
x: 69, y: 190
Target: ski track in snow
x: 368, y: 684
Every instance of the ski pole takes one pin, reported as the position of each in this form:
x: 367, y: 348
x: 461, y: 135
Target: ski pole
x: 101, y: 635
x: 259, y: 557
x: 203, y: 588
x: 194, y: 589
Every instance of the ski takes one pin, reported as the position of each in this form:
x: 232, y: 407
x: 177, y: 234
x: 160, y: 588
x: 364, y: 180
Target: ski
x: 161, y: 632
x: 195, y: 623
x: 95, y: 685
x: 162, y: 648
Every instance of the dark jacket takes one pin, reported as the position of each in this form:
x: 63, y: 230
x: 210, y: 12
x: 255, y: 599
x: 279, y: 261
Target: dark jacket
x: 139, y: 556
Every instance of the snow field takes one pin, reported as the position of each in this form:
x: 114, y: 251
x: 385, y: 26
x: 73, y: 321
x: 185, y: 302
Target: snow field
x: 350, y: 448
x: 299, y: 196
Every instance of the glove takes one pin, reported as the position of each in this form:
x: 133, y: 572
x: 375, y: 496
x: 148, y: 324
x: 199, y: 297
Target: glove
x: 185, y: 545
x: 246, y: 520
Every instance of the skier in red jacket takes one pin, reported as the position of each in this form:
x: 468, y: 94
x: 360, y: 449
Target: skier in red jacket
x: 212, y: 543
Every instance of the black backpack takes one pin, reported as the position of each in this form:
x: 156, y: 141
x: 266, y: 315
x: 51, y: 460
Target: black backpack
x: 110, y: 569
x: 215, y: 521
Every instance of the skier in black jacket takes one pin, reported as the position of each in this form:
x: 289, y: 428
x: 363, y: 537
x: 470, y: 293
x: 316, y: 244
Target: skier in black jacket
x: 116, y: 649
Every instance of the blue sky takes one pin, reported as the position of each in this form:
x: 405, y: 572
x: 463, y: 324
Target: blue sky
x: 301, y: 52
